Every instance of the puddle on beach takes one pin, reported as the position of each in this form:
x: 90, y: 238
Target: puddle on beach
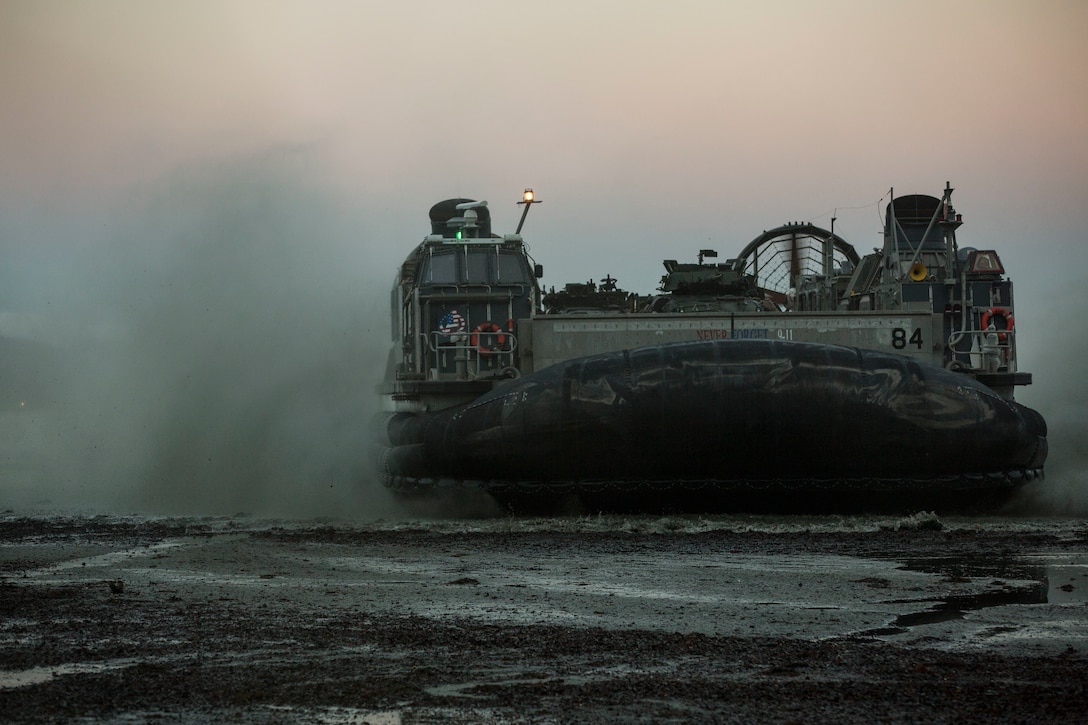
x: 1061, y: 578
x: 10, y: 679
x: 1068, y: 582
x: 1031, y: 580
x: 337, y: 715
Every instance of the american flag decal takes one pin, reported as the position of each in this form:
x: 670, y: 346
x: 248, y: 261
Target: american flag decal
x: 451, y: 322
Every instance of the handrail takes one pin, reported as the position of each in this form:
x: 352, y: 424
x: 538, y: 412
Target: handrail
x: 471, y: 359
x: 510, y: 341
x: 998, y: 345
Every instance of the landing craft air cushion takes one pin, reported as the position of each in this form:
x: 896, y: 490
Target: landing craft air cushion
x: 798, y: 374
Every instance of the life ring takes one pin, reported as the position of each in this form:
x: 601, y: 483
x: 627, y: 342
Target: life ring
x: 487, y: 330
x: 998, y: 312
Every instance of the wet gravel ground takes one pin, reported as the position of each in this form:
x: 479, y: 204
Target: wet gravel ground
x: 134, y: 619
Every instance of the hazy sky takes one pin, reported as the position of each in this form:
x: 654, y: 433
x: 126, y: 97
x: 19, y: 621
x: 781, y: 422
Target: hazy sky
x: 640, y: 123
x: 649, y: 129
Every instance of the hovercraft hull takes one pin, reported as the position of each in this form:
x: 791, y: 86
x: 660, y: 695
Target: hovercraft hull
x: 726, y: 425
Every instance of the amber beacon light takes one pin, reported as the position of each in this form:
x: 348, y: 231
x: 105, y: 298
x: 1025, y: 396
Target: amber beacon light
x: 528, y: 198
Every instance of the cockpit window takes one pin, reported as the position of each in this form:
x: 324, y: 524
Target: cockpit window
x: 443, y: 268
x: 511, y: 269
x: 476, y: 265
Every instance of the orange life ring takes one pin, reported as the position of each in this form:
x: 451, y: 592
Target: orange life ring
x: 488, y: 329
x: 998, y: 312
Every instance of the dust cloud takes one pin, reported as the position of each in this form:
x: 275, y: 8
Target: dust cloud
x: 209, y: 346
x: 1054, y: 351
